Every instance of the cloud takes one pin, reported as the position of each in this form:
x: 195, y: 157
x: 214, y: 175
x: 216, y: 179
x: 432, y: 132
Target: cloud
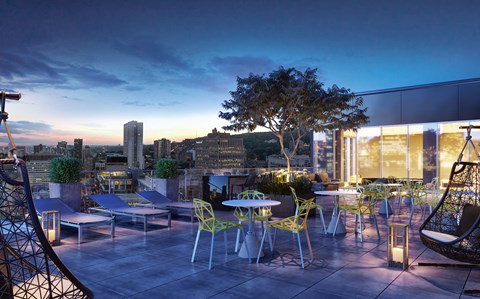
x: 153, y: 52
x: 240, y: 66
x: 138, y: 103
x: 28, y: 69
x: 28, y: 127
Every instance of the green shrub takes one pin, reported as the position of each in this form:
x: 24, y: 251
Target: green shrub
x: 166, y: 168
x: 301, y: 186
x: 65, y: 170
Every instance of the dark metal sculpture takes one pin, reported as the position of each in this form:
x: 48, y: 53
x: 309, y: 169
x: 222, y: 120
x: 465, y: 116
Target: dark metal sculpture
x: 29, y: 268
x: 453, y: 227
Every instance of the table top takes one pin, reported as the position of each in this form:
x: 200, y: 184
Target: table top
x: 386, y: 184
x: 434, y: 191
x: 251, y: 203
x: 337, y: 192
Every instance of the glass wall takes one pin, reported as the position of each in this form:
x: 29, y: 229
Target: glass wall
x: 418, y: 151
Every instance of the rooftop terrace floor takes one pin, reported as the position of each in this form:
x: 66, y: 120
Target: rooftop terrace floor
x: 157, y: 264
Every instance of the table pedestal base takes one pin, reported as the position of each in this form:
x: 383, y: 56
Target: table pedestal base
x: 340, y: 228
x: 253, y: 247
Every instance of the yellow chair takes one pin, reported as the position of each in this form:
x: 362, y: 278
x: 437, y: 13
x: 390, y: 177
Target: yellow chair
x: 209, y: 223
x: 363, y: 205
x: 299, y: 201
x: 261, y: 214
x: 294, y: 224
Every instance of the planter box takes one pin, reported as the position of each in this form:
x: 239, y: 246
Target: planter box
x: 69, y: 193
x: 167, y: 187
x: 286, y: 208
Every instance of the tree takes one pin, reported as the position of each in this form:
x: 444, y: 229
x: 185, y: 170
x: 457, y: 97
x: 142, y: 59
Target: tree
x: 291, y: 103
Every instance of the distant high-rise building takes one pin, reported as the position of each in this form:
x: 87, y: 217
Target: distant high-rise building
x: 133, y: 144
x: 62, y: 148
x: 162, y: 148
x: 77, y: 148
x: 87, y: 158
x: 219, y: 150
x: 37, y: 148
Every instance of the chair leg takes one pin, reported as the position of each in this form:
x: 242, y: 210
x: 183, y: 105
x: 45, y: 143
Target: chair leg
x: 361, y: 226
x: 323, y: 221
x: 211, y: 252
x: 225, y: 241
x: 300, y: 249
x: 309, y: 244
x: 238, y: 238
x: 411, y: 212
x: 195, y: 247
x: 269, y: 236
x: 376, y: 225
x: 261, y: 245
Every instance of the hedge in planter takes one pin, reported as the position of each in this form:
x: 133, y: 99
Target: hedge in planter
x: 166, y: 182
x: 65, y: 176
x: 65, y: 170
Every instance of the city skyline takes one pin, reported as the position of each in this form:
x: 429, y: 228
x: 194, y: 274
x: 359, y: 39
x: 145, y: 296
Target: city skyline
x: 85, y: 68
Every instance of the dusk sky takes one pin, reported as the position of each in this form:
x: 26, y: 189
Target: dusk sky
x: 85, y: 68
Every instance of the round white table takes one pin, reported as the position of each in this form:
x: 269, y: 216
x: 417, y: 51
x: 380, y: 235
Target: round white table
x: 250, y: 237
x: 337, y: 193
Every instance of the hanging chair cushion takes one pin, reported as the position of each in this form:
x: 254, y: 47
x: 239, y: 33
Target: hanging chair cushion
x: 469, y: 216
x: 440, y: 237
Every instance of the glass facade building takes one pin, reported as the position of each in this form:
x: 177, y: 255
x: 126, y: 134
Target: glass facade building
x: 413, y: 133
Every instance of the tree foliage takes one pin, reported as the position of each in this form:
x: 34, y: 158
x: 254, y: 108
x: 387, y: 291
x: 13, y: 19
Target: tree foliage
x: 290, y: 103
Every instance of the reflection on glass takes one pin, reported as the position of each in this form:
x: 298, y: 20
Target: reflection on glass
x: 368, y: 149
x: 429, y: 141
x: 394, y: 151
x: 450, y: 141
x: 323, y: 152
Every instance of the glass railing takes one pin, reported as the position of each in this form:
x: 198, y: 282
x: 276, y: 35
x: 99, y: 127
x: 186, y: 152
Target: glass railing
x: 193, y: 183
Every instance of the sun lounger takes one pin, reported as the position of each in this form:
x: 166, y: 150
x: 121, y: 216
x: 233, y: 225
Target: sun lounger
x: 114, y: 205
x: 69, y: 217
x: 158, y: 200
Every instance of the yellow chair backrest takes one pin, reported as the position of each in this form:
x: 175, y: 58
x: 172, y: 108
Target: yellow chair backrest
x: 205, y: 215
x: 302, y: 214
x: 251, y: 194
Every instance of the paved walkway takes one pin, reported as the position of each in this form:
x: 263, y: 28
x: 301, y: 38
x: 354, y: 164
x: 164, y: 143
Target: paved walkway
x: 157, y: 264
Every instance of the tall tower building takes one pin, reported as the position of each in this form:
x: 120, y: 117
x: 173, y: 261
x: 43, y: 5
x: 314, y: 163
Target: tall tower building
x: 133, y: 144
x: 77, y: 148
x: 162, y: 148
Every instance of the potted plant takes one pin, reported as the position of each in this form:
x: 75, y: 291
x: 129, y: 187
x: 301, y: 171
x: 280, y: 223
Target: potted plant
x: 166, y: 182
x: 65, y: 176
